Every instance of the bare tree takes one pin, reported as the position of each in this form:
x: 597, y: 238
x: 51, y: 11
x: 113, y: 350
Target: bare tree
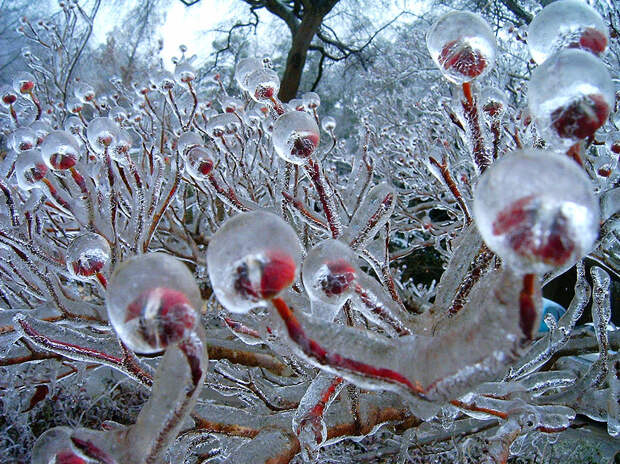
x: 307, y: 23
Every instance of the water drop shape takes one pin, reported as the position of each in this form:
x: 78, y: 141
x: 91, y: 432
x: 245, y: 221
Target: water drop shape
x: 74, y: 125
x: 243, y: 70
x: 295, y: 136
x: 184, y: 73
x: 570, y: 96
x: 30, y: 169
x: 41, y: 129
x: 566, y: 24
x: 188, y: 140
x: 118, y: 114
x: 462, y: 46
x: 263, y: 85
x: 121, y: 146
x: 75, y: 105
x: 198, y: 163
x: 329, y: 272
x: 84, y: 92
x: 101, y: 133
x: 152, y: 301
x: 311, y: 100
x: 23, y: 139
x: 536, y: 210
x: 60, y: 150
x: 24, y: 83
x: 87, y: 255
x: 328, y: 124
x: 252, y: 258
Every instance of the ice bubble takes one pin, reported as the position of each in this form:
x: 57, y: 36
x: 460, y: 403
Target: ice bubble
x: 87, y: 256
x: 295, y: 136
x: 60, y: 150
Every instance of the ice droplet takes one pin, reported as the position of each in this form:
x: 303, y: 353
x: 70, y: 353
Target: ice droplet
x: 295, y: 136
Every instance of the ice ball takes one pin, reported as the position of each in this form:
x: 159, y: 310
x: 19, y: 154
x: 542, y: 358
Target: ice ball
x: 295, y: 136
x: 87, y: 255
x: 60, y: 150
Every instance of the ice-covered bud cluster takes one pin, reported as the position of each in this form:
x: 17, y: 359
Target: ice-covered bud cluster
x: 536, y: 210
x: 152, y: 301
x: 566, y: 24
x: 570, y: 96
x: 329, y: 272
x: 462, y: 46
x: 251, y: 259
x: 295, y: 136
x: 60, y: 150
x: 87, y: 256
x: 263, y: 84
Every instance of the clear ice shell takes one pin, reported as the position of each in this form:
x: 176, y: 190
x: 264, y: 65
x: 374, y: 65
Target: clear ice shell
x: 101, y: 133
x: 569, y: 96
x: 198, y: 163
x: 263, y: 84
x: 462, y: 46
x: 329, y: 272
x: 184, y: 73
x: 188, y: 140
x: 23, y: 82
x: 243, y: 70
x: 22, y: 139
x: 60, y: 150
x: 566, y: 24
x: 240, y: 249
x: 536, y: 210
x: 30, y: 169
x: 295, y: 136
x: 142, y: 280
x: 87, y: 255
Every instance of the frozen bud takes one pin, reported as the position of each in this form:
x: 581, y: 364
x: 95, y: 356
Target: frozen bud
x: 87, y: 255
x: 252, y: 258
x: 60, y: 150
x: 613, y: 142
x: 74, y: 125
x: 101, y: 134
x: 24, y: 138
x: 121, y: 146
x: 8, y: 95
x: 536, y: 210
x: 222, y: 124
x: 328, y: 123
x: 566, y: 24
x: 23, y: 83
x: 311, y: 100
x: 243, y: 70
x: 152, y: 301
x: 493, y: 102
x: 84, y: 92
x: 296, y: 104
x: 75, y: 105
x: 55, y: 447
x: 329, y: 272
x: 184, y: 72
x: 41, y: 129
x: 462, y: 45
x: 570, y: 96
x: 198, y: 163
x: 30, y: 169
x: 118, y: 114
x: 263, y: 84
x: 188, y: 140
x: 231, y: 104
x: 295, y: 136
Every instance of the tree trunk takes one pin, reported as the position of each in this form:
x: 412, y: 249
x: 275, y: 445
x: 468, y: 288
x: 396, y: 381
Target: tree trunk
x: 298, y: 53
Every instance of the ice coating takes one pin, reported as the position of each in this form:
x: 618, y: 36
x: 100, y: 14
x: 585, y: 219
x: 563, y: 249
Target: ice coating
x: 60, y: 150
x: 30, y: 169
x: 23, y: 82
x: 252, y: 258
x: 244, y: 68
x: 493, y: 102
x: 295, y: 136
x: 101, y: 133
x: 184, y: 73
x: 462, y: 46
x: 152, y: 301
x: 198, y: 163
x: 24, y: 138
x: 87, y: 255
x: 263, y: 84
x: 328, y: 123
x: 222, y: 124
x: 570, y: 96
x: 536, y: 210
x: 84, y: 92
x: 372, y: 214
x: 188, y: 140
x: 566, y: 24
x: 329, y: 272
